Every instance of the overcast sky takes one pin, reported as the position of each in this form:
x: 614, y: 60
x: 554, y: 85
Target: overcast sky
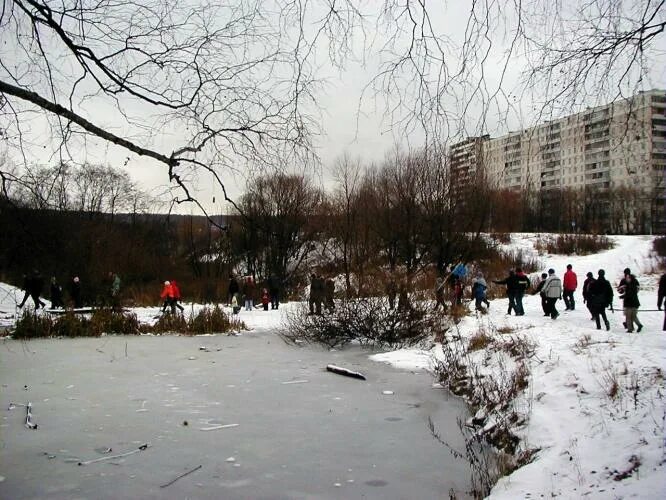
x: 360, y: 128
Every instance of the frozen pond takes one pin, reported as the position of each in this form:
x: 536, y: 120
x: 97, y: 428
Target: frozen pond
x: 301, y: 433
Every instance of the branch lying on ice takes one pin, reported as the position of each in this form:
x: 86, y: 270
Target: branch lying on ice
x: 181, y: 476
x: 343, y: 371
x: 140, y: 448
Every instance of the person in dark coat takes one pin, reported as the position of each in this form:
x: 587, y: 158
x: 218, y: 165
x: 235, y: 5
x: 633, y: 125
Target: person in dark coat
x: 27, y: 284
x: 523, y: 283
x: 661, y: 296
x: 274, y: 291
x: 589, y: 281
x: 631, y: 304
x: 512, y: 287
x: 329, y: 292
x: 233, y: 288
x: 316, y: 293
x: 539, y: 290
x: 75, y: 292
x: 56, y: 294
x: 600, y: 296
x: 34, y: 287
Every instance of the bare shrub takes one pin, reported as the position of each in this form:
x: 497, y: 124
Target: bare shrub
x: 518, y: 347
x: 31, y: 325
x: 213, y: 320
x: 367, y: 320
x: 480, y: 340
x: 109, y: 321
x: 504, y: 330
x: 167, y: 323
x: 574, y: 244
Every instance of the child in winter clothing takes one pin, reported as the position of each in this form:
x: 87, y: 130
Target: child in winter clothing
x: 479, y: 288
x: 234, y: 303
x: 265, y: 298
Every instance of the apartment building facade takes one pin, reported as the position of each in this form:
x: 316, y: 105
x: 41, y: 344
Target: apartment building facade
x: 606, y: 152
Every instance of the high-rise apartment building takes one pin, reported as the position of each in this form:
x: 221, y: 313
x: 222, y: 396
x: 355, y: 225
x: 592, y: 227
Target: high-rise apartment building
x: 617, y: 149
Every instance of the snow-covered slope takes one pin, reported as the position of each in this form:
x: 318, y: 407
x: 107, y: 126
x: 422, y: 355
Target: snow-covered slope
x: 587, y: 436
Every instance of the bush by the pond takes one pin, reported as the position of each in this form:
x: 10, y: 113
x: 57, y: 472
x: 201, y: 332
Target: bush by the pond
x: 367, y: 320
x: 33, y: 325
x: 207, y: 320
x: 574, y: 244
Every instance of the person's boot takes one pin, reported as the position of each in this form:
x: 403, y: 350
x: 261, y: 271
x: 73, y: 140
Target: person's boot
x: 607, y: 326
x: 638, y: 330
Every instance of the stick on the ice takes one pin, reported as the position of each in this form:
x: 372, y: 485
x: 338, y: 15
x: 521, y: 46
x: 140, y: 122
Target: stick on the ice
x: 179, y: 477
x: 121, y: 455
x: 28, y: 418
x: 343, y: 371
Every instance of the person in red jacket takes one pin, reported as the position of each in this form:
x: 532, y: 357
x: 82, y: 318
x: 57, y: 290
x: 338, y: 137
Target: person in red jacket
x: 570, y: 284
x: 176, y: 295
x: 168, y: 297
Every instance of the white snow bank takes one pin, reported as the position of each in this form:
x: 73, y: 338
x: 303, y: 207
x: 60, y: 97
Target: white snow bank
x: 587, y: 437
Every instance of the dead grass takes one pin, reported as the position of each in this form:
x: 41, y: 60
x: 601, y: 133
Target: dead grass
x: 480, y: 340
x: 504, y: 330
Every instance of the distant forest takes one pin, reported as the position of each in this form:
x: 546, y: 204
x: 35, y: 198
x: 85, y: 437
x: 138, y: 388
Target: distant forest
x: 402, y: 216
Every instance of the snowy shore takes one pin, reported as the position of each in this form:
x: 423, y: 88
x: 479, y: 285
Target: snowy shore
x: 590, y: 435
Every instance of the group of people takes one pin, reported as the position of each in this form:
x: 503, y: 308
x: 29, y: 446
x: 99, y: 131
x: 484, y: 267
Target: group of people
x: 597, y: 294
x: 33, y: 285
x: 246, y: 291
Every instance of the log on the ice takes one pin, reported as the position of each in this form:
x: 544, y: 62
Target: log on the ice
x: 343, y: 371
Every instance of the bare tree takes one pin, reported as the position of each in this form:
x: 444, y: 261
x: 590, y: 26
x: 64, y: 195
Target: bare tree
x: 218, y: 85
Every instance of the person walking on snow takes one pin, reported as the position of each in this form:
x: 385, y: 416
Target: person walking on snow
x: 552, y: 289
x: 600, y: 296
x: 631, y: 303
x: 661, y: 295
x: 56, y: 295
x: 248, y: 293
x: 570, y: 285
x: 479, y: 287
x: 176, y: 295
x: 233, y: 288
x: 167, y: 297
x: 512, y: 286
x: 589, y: 281
x: 539, y: 290
x: 75, y: 292
x: 33, y: 286
x: 265, y: 298
x: 523, y: 284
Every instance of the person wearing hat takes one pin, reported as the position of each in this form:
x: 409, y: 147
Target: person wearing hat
x: 539, y: 290
x: 75, y: 292
x: 600, y: 296
x: 167, y: 296
x: 552, y: 289
x: 589, y: 281
x: 631, y: 304
x: 630, y: 283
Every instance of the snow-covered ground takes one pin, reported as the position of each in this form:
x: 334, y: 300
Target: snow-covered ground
x: 587, y: 437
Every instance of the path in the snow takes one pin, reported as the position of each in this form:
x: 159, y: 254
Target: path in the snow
x: 302, y: 432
